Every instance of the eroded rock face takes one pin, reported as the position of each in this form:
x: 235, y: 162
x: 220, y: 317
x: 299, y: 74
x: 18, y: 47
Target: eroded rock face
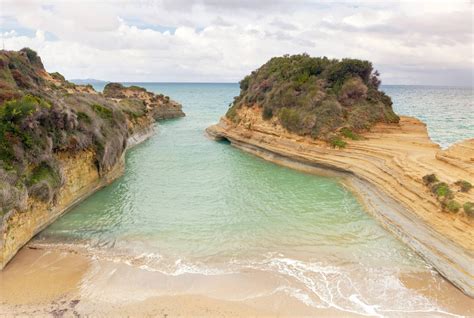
x: 46, y: 120
x: 159, y: 105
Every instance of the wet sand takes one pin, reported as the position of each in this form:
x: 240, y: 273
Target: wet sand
x: 44, y: 282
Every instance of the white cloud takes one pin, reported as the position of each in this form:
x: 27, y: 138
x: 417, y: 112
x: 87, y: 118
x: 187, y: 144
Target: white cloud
x: 409, y: 42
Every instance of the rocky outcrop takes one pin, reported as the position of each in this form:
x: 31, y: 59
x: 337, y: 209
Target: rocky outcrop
x: 61, y: 142
x: 160, y: 106
x: 385, y: 167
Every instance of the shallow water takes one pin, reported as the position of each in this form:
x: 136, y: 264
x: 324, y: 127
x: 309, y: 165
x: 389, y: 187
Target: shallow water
x: 191, y: 206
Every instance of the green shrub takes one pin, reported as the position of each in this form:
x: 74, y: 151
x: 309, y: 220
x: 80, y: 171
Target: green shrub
x: 442, y: 191
x: 43, y: 182
x: 469, y: 208
x: 289, y: 119
x: 12, y: 114
x: 16, y: 110
x: 338, y: 72
x: 102, y: 111
x: 244, y: 84
x: 267, y: 113
x: 352, y: 91
x: 337, y: 142
x: 44, y: 172
x: 464, y: 185
x: 232, y: 114
x: 430, y: 179
x: 81, y: 116
x: 346, y: 132
x: 453, y: 206
x: 57, y: 76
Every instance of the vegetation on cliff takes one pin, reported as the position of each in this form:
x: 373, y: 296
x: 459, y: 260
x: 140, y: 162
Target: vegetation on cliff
x: 320, y: 97
x: 136, y: 100
x: 446, y: 196
x: 42, y: 115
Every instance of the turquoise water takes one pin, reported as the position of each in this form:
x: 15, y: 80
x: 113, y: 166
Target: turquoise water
x: 187, y: 204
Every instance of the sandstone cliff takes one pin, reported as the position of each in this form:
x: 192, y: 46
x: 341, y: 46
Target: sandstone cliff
x: 60, y: 142
x: 386, y: 166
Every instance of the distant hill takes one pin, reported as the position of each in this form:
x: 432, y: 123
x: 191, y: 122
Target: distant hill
x: 86, y: 81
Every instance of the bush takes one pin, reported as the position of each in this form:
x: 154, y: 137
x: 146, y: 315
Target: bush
x: 352, y: 91
x: 464, y: 185
x: 452, y: 206
x: 43, y: 182
x: 102, y: 111
x: 232, y: 114
x: 469, y: 208
x: 337, y: 142
x: 339, y: 72
x: 430, y: 178
x: 81, y: 116
x: 441, y: 190
x: 346, y: 132
x: 267, y: 113
x: 289, y: 119
x: 12, y: 135
x: 57, y: 76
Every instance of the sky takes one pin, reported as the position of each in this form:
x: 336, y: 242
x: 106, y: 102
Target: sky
x: 409, y: 42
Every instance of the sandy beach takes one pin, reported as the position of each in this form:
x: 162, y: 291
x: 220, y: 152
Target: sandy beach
x: 61, y: 283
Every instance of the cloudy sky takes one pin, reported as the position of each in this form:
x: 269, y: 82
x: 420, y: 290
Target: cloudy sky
x: 424, y: 42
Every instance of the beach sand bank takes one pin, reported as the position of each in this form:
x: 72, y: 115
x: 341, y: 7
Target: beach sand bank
x: 44, y: 281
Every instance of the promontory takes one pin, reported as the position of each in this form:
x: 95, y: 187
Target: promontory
x: 329, y: 116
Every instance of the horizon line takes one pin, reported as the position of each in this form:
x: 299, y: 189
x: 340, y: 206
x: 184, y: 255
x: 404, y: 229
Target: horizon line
x: 192, y: 82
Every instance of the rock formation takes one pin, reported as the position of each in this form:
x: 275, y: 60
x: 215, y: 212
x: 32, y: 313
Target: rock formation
x: 416, y: 190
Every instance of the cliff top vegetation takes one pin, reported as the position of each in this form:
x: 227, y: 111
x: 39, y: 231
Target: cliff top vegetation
x: 42, y: 114
x: 316, y: 96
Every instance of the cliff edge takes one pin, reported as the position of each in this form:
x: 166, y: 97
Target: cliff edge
x: 60, y: 142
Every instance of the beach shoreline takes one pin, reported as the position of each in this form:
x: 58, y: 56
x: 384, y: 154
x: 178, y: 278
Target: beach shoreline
x: 47, y: 281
